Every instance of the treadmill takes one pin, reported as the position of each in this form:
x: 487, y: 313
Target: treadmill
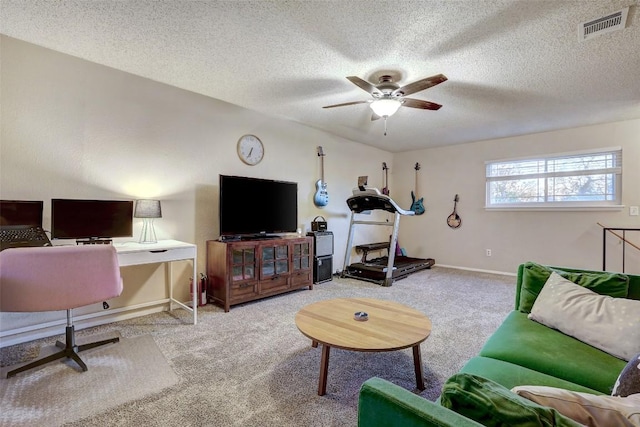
x: 383, y: 270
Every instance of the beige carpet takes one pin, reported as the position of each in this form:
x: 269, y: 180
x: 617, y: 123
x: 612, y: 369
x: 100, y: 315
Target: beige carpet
x: 59, y: 392
x: 252, y: 367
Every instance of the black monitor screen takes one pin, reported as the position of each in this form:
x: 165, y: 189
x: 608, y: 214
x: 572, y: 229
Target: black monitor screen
x: 91, y: 219
x: 21, y: 212
x: 257, y: 206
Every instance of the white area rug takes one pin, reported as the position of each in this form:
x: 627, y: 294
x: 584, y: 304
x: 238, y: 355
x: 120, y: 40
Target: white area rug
x: 60, y: 392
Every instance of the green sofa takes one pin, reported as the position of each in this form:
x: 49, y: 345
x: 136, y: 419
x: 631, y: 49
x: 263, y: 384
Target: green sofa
x: 520, y: 352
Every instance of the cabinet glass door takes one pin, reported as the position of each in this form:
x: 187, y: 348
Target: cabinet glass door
x: 275, y: 260
x: 301, y: 256
x: 243, y: 263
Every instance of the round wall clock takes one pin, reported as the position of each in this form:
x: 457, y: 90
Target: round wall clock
x: 250, y: 149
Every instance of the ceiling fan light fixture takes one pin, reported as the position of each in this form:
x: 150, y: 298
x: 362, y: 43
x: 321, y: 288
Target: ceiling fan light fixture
x: 385, y: 107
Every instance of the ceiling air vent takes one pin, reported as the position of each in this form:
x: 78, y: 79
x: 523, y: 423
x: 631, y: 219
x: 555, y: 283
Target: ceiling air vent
x: 614, y: 22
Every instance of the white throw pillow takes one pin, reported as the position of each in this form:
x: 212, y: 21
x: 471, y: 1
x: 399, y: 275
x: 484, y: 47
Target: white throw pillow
x: 588, y: 409
x: 610, y: 324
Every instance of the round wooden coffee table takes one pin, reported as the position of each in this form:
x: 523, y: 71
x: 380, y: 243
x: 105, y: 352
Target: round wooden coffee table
x: 390, y: 326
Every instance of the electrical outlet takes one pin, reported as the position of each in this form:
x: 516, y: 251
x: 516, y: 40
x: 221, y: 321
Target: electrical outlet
x: 488, y: 251
x: 633, y: 210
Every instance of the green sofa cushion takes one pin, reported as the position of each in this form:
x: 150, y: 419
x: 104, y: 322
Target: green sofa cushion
x: 535, y: 275
x: 493, y: 405
x: 552, y: 352
x: 634, y: 287
x: 509, y: 375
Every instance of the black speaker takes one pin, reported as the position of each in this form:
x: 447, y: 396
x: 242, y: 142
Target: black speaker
x: 322, y: 268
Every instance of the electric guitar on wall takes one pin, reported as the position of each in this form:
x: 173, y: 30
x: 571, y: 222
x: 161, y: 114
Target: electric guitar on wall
x: 385, y: 189
x: 321, y: 198
x: 416, y: 204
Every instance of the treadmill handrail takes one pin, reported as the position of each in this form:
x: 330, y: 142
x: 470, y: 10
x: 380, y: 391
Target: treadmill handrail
x: 368, y: 201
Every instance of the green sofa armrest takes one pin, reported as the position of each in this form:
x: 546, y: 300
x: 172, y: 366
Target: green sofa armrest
x: 383, y: 403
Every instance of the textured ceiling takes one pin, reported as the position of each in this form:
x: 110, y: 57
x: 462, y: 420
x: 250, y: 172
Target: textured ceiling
x: 514, y: 66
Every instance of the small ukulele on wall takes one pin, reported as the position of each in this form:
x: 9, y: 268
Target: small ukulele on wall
x: 321, y: 197
x: 417, y: 204
x: 454, y: 220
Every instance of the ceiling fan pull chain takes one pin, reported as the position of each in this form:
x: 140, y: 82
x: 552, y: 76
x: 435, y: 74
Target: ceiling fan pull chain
x: 385, y: 125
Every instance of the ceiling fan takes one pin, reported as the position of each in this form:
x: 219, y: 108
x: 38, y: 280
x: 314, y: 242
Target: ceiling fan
x: 389, y: 96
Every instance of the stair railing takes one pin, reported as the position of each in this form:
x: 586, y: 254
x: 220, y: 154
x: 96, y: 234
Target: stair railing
x: 622, y: 237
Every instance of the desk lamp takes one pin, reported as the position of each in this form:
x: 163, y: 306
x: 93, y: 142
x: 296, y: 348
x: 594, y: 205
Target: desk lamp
x: 148, y: 210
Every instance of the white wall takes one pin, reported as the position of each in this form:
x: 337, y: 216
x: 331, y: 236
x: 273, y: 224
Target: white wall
x: 75, y: 129
x: 567, y: 238
x: 71, y: 128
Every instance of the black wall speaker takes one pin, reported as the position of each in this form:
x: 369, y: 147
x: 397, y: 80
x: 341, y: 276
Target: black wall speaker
x: 322, y: 268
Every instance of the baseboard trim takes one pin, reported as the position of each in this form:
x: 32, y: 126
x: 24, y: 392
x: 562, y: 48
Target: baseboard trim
x: 479, y: 270
x: 57, y: 327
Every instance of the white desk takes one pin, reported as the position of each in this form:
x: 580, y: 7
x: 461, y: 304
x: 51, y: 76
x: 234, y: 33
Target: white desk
x: 165, y: 251
x: 129, y: 253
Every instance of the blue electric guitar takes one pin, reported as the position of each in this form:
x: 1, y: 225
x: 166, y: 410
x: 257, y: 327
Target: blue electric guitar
x: 321, y: 198
x: 416, y: 204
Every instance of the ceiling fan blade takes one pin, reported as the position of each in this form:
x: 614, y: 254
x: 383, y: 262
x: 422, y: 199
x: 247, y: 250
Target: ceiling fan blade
x: 365, y: 85
x: 419, y: 103
x: 420, y: 85
x: 346, y: 103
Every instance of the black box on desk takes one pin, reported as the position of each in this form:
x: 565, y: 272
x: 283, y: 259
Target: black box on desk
x: 322, y: 268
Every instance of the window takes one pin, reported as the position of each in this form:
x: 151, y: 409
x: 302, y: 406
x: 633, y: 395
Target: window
x: 586, y: 179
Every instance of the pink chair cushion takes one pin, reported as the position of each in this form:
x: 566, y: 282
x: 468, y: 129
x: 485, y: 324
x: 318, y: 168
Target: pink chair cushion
x: 55, y: 278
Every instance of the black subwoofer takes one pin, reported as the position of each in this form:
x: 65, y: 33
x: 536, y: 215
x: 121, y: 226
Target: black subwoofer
x: 322, y: 268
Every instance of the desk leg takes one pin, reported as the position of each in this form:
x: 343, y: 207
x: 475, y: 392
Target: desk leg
x: 168, y: 274
x: 417, y: 361
x: 324, y: 368
x: 194, y: 290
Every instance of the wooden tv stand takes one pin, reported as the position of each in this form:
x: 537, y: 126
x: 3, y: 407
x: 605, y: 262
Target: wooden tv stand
x: 246, y: 270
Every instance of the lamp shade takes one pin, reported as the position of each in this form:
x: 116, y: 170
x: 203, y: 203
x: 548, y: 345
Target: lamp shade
x: 148, y: 209
x: 385, y: 107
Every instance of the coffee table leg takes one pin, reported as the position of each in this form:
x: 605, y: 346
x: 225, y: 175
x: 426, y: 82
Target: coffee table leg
x: 324, y: 368
x: 417, y: 361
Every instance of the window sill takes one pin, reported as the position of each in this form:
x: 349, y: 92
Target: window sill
x: 583, y: 208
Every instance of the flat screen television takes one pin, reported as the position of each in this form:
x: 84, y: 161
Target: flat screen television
x: 91, y: 219
x: 21, y: 212
x: 257, y: 207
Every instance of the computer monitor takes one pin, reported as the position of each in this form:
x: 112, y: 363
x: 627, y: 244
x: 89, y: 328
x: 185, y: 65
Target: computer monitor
x: 21, y: 212
x: 91, y: 219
